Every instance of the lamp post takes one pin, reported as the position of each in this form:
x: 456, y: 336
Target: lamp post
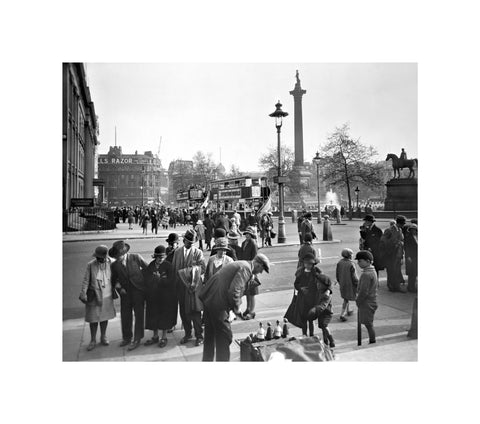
x: 143, y: 182
x: 357, y: 190
x: 316, y: 161
x: 278, y: 115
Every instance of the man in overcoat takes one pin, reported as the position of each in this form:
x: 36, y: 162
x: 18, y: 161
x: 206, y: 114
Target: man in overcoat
x: 127, y: 278
x: 370, y: 236
x: 187, y: 258
x: 221, y: 294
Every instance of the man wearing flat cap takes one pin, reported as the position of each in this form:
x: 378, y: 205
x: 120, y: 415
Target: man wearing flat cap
x: 189, y: 267
x: 221, y: 294
x: 370, y: 236
x: 127, y: 277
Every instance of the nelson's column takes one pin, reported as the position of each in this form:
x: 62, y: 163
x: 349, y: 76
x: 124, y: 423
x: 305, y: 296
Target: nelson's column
x: 301, y: 172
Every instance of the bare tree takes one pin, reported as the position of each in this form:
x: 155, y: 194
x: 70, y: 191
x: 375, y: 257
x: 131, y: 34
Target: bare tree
x: 346, y: 162
x: 234, y: 172
x: 204, y: 166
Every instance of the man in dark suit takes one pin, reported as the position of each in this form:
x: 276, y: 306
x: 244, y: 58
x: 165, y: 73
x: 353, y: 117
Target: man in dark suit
x: 306, y: 227
x: 127, y: 278
x: 221, y: 294
x: 184, y: 259
x: 222, y: 222
x: 370, y: 236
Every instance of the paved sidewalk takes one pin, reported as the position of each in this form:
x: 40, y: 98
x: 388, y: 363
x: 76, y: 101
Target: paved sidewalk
x: 392, y: 322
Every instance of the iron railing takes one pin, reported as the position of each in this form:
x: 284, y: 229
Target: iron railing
x: 88, y: 219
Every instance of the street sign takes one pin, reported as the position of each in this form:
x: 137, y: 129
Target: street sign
x: 76, y: 202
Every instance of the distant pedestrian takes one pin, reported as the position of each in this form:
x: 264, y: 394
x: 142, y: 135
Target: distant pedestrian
x: 161, y: 305
x: 299, y: 225
x: 366, y: 298
x: 98, y: 294
x: 200, y: 230
x: 346, y: 276
x: 235, y: 250
x: 266, y: 226
x: 130, y: 219
x: 154, y: 223
x: 307, y: 226
x: 145, y: 221
x: 172, y: 241
x: 222, y: 222
x: 411, y: 257
x: 165, y: 221
x: 208, y: 223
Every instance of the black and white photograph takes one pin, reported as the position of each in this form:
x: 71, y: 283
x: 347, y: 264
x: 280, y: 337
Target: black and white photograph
x: 296, y: 183
x: 228, y: 229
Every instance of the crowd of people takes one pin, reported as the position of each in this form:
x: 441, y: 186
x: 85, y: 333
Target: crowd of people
x: 208, y: 293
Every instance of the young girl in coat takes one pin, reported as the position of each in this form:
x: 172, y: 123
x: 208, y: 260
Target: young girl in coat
x: 347, y: 278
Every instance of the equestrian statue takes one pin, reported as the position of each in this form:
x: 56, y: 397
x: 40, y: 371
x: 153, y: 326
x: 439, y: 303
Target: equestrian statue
x: 402, y: 162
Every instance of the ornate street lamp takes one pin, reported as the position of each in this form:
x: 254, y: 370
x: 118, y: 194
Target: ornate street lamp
x: 357, y: 190
x: 316, y: 160
x: 280, y: 180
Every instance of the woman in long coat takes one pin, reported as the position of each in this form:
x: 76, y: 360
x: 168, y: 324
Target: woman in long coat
x: 97, y: 294
x: 346, y: 275
x: 161, y: 310
x: 249, y: 251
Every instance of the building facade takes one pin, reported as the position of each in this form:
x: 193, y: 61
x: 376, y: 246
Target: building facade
x: 132, y: 179
x: 79, y: 135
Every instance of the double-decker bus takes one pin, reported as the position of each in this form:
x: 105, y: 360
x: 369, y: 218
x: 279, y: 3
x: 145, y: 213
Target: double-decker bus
x: 243, y: 194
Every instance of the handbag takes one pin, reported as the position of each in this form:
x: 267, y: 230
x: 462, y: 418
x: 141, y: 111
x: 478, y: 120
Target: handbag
x: 272, y: 234
x: 90, y: 296
x: 293, y: 314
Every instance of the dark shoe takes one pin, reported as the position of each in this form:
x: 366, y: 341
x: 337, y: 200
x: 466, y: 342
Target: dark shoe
x: 163, y: 343
x: 104, y: 342
x: 249, y: 315
x: 134, y: 345
x: 372, y: 341
x: 198, y: 342
x: 185, y: 339
x: 153, y: 340
x: 342, y: 318
x: 331, y: 341
x: 91, y: 346
x: 124, y: 343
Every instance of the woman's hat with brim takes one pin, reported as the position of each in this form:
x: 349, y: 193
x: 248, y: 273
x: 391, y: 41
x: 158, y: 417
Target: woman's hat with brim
x: 159, y: 251
x: 221, y: 244
x: 190, y: 235
x: 100, y: 251
x: 233, y: 236
x: 219, y: 232
x: 369, y: 218
x: 172, y: 238
x: 250, y: 230
x: 119, y: 248
x: 199, y: 222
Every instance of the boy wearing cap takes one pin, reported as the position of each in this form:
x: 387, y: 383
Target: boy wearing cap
x: 221, y: 294
x: 346, y: 275
x: 367, y: 292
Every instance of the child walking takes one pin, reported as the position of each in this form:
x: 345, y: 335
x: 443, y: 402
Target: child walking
x: 367, y: 292
x: 347, y: 278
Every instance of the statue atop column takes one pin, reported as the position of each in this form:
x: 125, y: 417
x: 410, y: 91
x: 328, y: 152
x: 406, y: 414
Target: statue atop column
x: 297, y: 77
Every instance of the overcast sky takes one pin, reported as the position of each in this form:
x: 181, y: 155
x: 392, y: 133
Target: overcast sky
x: 211, y: 106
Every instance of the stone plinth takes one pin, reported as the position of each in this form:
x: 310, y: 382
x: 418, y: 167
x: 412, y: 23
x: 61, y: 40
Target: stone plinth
x: 401, y: 195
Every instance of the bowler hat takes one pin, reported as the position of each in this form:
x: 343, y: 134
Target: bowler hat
x: 250, y: 230
x: 172, y: 238
x: 190, y: 235
x: 119, y: 248
x: 369, y: 218
x: 219, y: 232
x: 100, y: 251
x: 262, y: 259
x: 159, y: 251
x: 364, y: 254
x: 401, y: 219
x: 308, y: 215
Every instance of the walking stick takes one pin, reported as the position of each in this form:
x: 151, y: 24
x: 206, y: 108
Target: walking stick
x: 359, y: 329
